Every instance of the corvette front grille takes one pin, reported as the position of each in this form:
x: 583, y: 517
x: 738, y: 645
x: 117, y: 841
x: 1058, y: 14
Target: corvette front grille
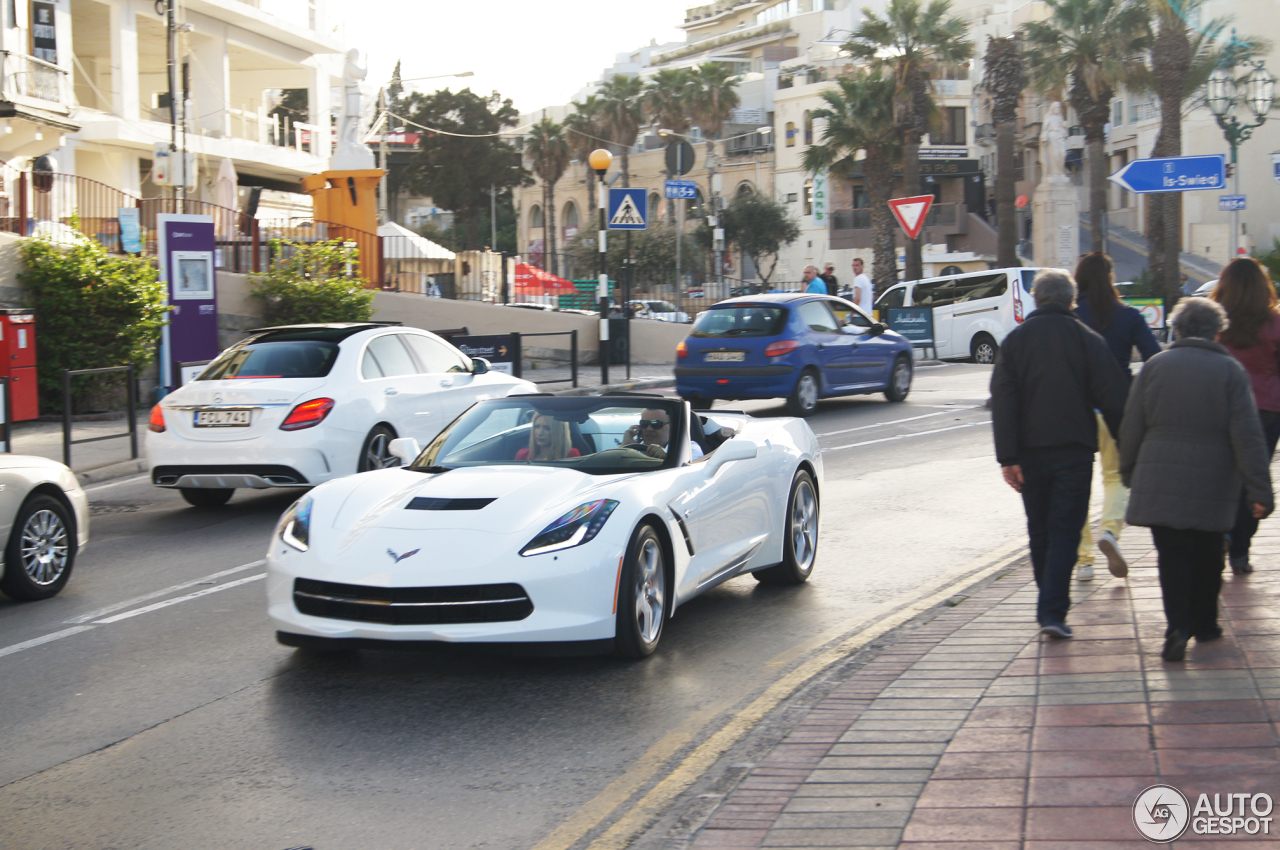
x: 412, y: 606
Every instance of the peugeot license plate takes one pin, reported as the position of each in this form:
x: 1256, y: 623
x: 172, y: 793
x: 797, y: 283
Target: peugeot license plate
x: 222, y: 418
x: 726, y: 356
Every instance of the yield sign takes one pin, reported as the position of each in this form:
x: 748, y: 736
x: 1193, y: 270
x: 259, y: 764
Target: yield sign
x: 911, y: 212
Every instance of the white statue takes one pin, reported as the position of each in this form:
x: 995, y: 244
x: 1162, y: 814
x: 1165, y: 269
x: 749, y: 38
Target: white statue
x: 352, y: 153
x: 1053, y: 145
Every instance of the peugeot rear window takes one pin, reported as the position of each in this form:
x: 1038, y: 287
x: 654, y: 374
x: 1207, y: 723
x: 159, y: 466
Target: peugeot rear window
x: 740, y: 320
x: 299, y: 359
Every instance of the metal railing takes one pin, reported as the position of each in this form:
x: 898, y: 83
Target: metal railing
x: 573, y: 356
x: 26, y: 76
x: 131, y: 410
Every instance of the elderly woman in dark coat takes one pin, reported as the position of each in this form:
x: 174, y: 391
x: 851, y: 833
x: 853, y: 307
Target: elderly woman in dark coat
x: 1189, y: 442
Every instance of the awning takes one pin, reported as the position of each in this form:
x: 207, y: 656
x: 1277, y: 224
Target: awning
x: 531, y: 280
x: 401, y: 243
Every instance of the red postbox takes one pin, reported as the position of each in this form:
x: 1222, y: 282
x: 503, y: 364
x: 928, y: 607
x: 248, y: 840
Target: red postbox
x: 18, y: 361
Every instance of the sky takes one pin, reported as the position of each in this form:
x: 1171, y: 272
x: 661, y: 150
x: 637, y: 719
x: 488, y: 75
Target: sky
x: 536, y: 53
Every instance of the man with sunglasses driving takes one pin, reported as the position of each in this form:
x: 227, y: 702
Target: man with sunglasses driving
x: 652, y: 434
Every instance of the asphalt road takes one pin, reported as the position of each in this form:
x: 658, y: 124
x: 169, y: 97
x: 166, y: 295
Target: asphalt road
x: 149, y: 706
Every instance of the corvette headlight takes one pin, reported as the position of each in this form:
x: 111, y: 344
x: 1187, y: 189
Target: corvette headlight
x: 578, y: 526
x: 295, y: 525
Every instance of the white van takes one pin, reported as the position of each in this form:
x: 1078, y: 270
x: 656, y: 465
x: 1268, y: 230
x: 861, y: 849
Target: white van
x: 972, y: 312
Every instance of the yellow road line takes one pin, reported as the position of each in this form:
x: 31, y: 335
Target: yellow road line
x: 705, y: 755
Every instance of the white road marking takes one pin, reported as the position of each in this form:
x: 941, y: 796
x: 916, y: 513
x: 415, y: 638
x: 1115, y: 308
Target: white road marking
x: 904, y: 436
x: 156, y: 594
x: 95, y: 488
x: 882, y: 424
x: 156, y: 607
x: 28, y: 644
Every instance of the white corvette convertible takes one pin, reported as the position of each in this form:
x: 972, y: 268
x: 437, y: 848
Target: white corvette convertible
x: 582, y: 523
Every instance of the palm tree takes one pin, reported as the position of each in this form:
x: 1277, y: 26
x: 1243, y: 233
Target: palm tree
x: 584, y: 132
x: 548, y: 154
x: 1181, y: 61
x: 712, y: 98
x: 910, y: 41
x: 666, y: 102
x: 621, y: 111
x: 1088, y: 48
x: 859, y: 117
x: 1005, y: 78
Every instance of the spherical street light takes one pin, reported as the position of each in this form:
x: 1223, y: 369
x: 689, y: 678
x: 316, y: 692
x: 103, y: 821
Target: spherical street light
x: 600, y: 160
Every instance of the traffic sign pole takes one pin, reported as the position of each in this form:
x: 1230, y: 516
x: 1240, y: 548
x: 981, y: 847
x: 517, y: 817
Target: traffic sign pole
x: 679, y: 227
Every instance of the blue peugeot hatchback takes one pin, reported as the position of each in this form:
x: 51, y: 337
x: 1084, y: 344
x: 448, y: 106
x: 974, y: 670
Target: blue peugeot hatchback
x: 796, y: 346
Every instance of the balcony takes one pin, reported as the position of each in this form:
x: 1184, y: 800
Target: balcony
x: 34, y: 82
x: 852, y: 228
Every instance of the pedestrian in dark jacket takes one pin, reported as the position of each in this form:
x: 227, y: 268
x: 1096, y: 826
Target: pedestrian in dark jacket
x: 1191, y: 440
x: 1252, y: 336
x: 1052, y: 373
x: 1123, y: 328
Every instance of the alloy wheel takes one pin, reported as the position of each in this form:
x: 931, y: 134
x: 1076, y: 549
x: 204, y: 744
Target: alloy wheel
x: 804, y: 526
x: 984, y: 352
x: 379, y: 455
x: 45, y: 547
x: 902, y: 379
x: 650, y: 592
x: 807, y: 392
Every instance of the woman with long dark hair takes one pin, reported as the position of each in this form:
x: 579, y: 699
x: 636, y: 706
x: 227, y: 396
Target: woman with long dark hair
x: 1123, y: 327
x: 1253, y: 336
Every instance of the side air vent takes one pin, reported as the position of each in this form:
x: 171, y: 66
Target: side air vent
x: 422, y: 503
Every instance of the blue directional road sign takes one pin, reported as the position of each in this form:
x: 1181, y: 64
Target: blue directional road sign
x: 682, y: 189
x: 1173, y: 174
x: 1227, y: 203
x: 628, y: 209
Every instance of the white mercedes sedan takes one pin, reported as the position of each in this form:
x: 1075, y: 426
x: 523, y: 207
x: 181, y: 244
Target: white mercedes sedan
x: 299, y: 405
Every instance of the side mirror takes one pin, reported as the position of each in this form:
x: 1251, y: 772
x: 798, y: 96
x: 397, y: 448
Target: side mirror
x: 877, y: 329
x: 729, y: 451
x: 479, y: 365
x: 405, y: 448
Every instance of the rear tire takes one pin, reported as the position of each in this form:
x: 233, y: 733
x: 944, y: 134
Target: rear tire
x: 642, y: 596
x: 983, y: 349
x: 800, y: 544
x: 804, y: 398
x: 374, y: 454
x: 202, y: 497
x: 41, y: 550
x: 899, y: 379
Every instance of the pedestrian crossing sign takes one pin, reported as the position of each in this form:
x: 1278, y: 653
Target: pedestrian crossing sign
x: 628, y: 209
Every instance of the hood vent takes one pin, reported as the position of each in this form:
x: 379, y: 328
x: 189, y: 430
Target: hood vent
x: 422, y: 503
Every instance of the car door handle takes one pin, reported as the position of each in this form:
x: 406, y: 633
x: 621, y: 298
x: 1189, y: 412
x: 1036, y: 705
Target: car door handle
x: 391, y: 391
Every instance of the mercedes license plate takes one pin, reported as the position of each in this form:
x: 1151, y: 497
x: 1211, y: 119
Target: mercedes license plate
x: 222, y: 418
x: 726, y: 356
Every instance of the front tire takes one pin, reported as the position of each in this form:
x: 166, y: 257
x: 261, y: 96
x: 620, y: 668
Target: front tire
x: 202, y: 497
x: 642, y: 596
x: 375, y: 453
x: 41, y: 550
x: 899, y: 379
x: 804, y: 398
x: 984, y: 349
x: 800, y: 546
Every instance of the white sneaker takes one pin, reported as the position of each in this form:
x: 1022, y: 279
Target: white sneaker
x: 1109, y: 546
x: 1084, y: 572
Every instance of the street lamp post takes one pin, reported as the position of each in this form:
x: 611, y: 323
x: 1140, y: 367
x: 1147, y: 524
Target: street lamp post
x: 385, y: 122
x: 599, y: 160
x: 1228, y: 90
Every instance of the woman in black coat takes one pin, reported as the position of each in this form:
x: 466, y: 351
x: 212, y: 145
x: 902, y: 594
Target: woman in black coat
x: 1189, y: 442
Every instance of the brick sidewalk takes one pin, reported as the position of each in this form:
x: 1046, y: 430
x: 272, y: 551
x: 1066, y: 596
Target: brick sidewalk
x: 973, y: 733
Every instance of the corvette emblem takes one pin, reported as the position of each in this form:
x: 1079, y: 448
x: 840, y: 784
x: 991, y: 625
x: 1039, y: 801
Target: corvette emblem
x: 399, y: 558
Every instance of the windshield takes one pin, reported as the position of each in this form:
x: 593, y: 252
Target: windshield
x: 598, y: 436
x: 295, y: 359
x: 740, y: 320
